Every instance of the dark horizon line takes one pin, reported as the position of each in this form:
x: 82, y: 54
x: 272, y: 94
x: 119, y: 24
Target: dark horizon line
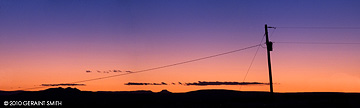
x: 63, y: 88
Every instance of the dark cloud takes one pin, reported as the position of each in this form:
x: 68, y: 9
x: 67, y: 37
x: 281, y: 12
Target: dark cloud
x: 134, y: 83
x: 205, y: 83
x: 201, y: 83
x: 108, y: 71
x: 129, y: 71
x: 156, y: 83
x: 62, y: 84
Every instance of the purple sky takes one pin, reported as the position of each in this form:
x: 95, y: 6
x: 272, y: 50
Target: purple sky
x: 84, y: 34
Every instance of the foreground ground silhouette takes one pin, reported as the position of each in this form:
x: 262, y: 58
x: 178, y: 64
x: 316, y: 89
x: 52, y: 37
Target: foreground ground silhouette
x: 194, y: 99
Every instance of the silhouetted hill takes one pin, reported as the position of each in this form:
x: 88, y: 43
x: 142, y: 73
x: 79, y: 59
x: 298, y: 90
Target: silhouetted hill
x: 194, y: 99
x: 164, y: 91
x: 60, y: 89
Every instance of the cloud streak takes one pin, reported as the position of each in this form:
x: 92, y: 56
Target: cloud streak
x: 134, y: 83
x: 205, y: 83
x: 201, y: 83
x: 108, y: 71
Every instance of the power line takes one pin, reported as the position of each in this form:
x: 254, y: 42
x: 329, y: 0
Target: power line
x: 170, y: 65
x: 272, y: 32
x: 160, y: 67
x: 252, y: 61
x: 335, y: 43
x: 319, y: 27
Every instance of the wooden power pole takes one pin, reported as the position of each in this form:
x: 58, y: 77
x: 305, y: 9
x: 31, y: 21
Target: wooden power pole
x: 269, y: 48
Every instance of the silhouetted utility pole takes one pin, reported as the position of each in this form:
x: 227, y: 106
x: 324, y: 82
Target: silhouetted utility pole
x: 269, y: 48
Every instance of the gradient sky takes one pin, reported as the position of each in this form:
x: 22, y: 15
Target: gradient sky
x: 56, y: 41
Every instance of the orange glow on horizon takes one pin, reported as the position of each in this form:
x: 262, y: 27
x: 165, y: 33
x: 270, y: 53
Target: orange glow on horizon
x: 53, y: 42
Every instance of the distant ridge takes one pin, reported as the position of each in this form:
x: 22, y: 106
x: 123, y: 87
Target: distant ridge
x: 70, y: 89
x: 60, y: 89
x: 210, y: 98
x: 164, y: 91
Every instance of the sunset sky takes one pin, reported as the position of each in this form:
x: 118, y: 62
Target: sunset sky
x: 57, y: 41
